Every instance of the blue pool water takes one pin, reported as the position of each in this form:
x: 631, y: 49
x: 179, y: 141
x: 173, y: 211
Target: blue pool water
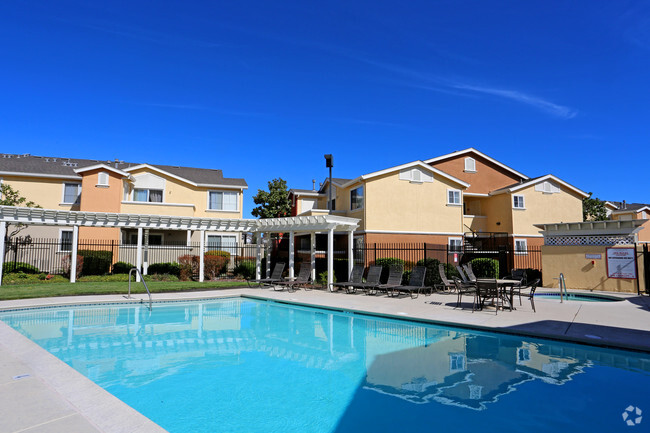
x: 583, y: 297
x: 238, y: 365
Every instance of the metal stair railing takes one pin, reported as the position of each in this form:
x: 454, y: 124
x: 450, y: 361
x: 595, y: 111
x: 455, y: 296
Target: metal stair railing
x: 137, y: 271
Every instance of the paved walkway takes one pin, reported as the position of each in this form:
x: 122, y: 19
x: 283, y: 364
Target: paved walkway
x: 40, y: 393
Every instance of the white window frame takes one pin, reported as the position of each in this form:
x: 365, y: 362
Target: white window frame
x: 460, y: 197
x: 162, y: 195
x: 452, y: 248
x: 102, y: 178
x: 362, y: 199
x: 236, y: 193
x: 133, y: 239
x: 78, y: 199
x: 456, y: 362
x: 470, y: 165
x: 58, y: 248
x: 232, y: 249
x: 519, y: 251
x: 515, y: 198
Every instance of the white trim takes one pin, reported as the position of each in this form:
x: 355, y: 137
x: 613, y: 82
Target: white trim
x: 475, y: 194
x: 538, y: 180
x: 454, y: 238
x: 156, y: 203
x: 472, y: 150
x: 102, y: 166
x: 398, y: 232
x: 473, y: 162
x: 523, y: 202
x: 49, y: 176
x: 525, y: 249
x: 99, y: 179
x: 207, y: 204
x: 514, y: 235
x: 402, y: 167
x: 58, y: 246
x: 182, y: 179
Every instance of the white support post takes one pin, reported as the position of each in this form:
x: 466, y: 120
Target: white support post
x: 312, y: 243
x: 350, y: 251
x: 201, y: 256
x: 138, y: 255
x: 258, y: 257
x: 267, y: 242
x: 189, y: 238
x: 73, y: 256
x: 292, y: 272
x: 330, y: 259
x: 145, y: 252
x: 3, y: 232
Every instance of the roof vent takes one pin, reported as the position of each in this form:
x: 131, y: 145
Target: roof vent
x: 6, y: 156
x: 69, y: 164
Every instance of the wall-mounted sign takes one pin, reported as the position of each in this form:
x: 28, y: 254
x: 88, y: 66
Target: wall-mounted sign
x: 593, y: 256
x: 621, y: 263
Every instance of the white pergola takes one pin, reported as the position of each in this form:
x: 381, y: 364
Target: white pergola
x: 292, y: 225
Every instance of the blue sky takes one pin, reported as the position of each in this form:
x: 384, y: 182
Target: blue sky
x: 264, y: 89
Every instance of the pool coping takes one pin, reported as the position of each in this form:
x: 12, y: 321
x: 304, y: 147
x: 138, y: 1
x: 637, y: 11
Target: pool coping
x: 88, y: 407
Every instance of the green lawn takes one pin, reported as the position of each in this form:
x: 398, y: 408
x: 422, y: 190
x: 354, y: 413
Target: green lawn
x: 24, y: 291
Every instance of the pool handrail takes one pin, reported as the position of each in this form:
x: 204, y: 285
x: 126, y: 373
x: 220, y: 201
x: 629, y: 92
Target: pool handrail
x: 143, y: 282
x: 563, y: 290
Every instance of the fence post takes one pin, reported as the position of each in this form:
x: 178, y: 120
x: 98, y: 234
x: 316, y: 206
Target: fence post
x: 375, y: 253
x: 3, y: 231
x: 424, y: 246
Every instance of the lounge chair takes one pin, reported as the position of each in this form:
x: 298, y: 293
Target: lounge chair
x: 468, y: 270
x: 464, y: 289
x: 356, y: 277
x: 416, y: 282
x: 463, y: 277
x: 446, y: 284
x: 372, y: 280
x: 276, y: 276
x: 302, y: 280
x: 395, y: 274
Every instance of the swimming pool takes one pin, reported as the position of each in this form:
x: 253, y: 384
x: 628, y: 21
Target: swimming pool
x: 245, y: 365
x: 584, y: 297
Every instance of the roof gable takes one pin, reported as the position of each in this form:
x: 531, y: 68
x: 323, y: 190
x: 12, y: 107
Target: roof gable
x: 537, y: 180
x: 475, y: 152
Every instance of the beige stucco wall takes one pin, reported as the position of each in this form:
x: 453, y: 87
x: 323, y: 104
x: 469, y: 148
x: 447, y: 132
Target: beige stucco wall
x: 541, y: 208
x: 398, y: 205
x: 177, y: 196
x: 579, y: 273
x: 45, y: 192
x: 498, y: 209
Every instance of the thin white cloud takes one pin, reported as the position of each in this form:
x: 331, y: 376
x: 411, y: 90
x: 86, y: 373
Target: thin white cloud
x: 523, y: 98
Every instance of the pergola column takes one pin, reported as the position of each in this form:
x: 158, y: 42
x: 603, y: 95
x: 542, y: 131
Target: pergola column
x: 145, y: 252
x: 291, y: 255
x: 138, y: 255
x: 258, y: 257
x: 202, y: 256
x: 350, y: 251
x: 330, y: 258
x: 267, y: 243
x: 3, y: 232
x: 312, y: 243
x: 73, y: 257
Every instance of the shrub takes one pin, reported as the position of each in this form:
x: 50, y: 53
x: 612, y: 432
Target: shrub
x: 385, y: 263
x: 171, y: 268
x: 485, y: 268
x: 533, y: 274
x: 23, y: 267
x: 214, y: 265
x: 246, y: 269
x: 189, y: 265
x: 122, y: 267
x: 23, y: 278
x: 66, y: 262
x: 96, y: 262
x: 322, y: 278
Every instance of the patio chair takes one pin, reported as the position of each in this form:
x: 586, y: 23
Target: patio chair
x: 416, y: 282
x: 302, y: 280
x: 356, y: 277
x: 372, y: 280
x: 276, y: 276
x: 395, y: 274
x: 463, y: 277
x: 464, y: 289
x: 519, y: 275
x: 530, y: 294
x: 487, y: 288
x: 468, y: 270
x: 446, y: 284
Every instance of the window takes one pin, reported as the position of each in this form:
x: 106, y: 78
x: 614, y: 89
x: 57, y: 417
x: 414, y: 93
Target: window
x: 356, y: 198
x: 65, y: 240
x: 523, y: 355
x: 148, y: 195
x: 415, y: 175
x: 521, y: 246
x: 154, y: 239
x: 470, y: 165
x: 222, y: 200
x: 518, y: 202
x: 102, y: 178
x: 547, y: 188
x: 453, y: 197
x: 455, y: 245
x: 71, y: 193
x: 222, y: 243
x: 456, y: 362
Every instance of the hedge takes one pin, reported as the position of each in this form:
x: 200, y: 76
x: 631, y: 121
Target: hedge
x: 96, y: 262
x: 122, y: 268
x: 25, y: 268
x: 167, y: 268
x: 485, y: 268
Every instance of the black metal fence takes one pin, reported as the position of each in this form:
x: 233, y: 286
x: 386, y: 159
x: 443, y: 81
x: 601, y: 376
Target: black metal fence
x: 101, y: 257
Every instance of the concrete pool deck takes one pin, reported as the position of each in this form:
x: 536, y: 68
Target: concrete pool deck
x: 40, y: 393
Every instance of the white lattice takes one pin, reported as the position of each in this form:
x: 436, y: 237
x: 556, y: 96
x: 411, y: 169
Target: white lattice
x: 589, y: 240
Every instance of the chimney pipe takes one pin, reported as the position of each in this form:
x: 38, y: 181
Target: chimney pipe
x: 313, y: 184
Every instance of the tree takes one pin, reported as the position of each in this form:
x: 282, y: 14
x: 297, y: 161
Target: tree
x: 12, y: 197
x: 593, y: 209
x: 273, y: 203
